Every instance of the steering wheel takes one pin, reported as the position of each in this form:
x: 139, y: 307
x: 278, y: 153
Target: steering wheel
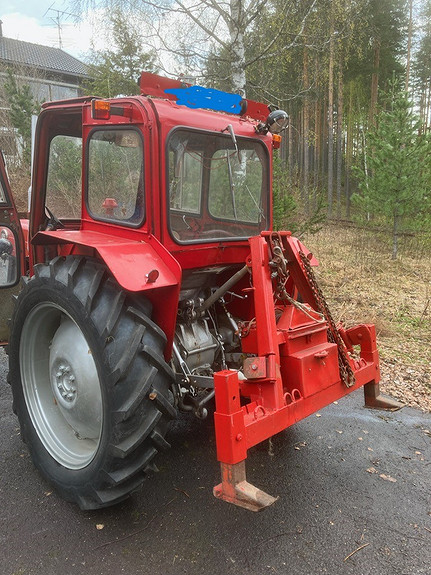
x: 53, y: 222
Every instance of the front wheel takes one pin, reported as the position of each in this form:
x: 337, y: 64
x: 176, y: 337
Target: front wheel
x: 89, y: 381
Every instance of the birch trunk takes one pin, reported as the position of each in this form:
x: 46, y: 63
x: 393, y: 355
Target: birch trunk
x: 237, y: 46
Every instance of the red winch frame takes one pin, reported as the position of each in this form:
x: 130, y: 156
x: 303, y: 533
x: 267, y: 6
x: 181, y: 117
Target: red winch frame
x: 294, y: 370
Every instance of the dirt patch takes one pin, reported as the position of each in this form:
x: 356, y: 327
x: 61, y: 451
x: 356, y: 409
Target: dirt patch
x: 364, y: 285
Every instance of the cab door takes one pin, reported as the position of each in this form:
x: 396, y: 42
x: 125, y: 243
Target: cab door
x: 12, y: 253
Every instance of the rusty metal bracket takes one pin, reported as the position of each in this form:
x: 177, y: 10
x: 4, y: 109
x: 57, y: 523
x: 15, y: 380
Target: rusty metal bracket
x: 375, y: 400
x: 235, y: 489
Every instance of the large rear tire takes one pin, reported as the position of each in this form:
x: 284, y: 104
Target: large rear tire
x: 90, y: 385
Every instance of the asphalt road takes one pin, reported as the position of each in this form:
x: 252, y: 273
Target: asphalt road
x: 354, y: 488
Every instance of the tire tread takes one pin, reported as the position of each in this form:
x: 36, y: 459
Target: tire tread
x: 133, y: 372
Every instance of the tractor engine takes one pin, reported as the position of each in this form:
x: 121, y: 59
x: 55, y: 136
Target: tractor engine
x: 206, y: 339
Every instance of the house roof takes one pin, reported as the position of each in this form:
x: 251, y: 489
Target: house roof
x: 41, y: 57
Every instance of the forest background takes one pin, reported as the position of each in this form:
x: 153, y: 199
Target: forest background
x: 341, y: 69
x: 354, y: 77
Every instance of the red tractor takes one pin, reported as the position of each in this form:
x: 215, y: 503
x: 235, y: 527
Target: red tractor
x: 153, y: 283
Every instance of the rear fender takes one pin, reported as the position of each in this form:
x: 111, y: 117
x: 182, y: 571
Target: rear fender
x: 140, y: 267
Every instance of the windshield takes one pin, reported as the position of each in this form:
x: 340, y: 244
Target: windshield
x: 218, y: 187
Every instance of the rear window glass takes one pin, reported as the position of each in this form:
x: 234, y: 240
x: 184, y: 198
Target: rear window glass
x: 63, y: 186
x: 115, y: 186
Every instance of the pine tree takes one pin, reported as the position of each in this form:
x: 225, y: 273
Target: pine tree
x: 22, y: 107
x: 395, y: 182
x: 116, y: 72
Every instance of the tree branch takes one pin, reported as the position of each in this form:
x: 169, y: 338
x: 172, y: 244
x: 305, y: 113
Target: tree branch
x: 201, y: 25
x: 264, y: 53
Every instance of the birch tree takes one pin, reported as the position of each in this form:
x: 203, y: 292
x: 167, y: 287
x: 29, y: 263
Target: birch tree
x: 188, y: 32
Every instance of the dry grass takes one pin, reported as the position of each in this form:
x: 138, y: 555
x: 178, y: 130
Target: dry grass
x: 362, y: 284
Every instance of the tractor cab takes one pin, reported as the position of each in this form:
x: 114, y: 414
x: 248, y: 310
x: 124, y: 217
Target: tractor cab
x: 157, y: 165
x: 159, y: 177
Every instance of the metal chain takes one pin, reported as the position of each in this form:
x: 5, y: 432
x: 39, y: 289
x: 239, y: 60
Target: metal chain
x: 280, y: 272
x: 278, y: 265
x: 346, y: 371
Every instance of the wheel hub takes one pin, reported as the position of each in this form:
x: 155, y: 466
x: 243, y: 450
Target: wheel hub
x: 74, y: 380
x: 65, y: 390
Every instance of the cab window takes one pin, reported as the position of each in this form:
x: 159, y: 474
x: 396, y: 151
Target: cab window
x: 8, y: 256
x: 63, y: 186
x: 217, y: 187
x: 115, y: 176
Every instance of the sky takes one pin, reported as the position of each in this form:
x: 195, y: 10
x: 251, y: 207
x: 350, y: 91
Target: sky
x: 36, y: 21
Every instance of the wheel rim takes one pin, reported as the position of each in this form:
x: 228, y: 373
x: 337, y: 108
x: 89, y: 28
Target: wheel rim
x: 61, y: 386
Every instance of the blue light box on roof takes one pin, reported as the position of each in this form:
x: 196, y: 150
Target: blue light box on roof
x: 198, y: 97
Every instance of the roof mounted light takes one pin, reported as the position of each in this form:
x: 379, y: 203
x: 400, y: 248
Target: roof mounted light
x: 100, y: 109
x: 277, y: 121
x: 103, y: 110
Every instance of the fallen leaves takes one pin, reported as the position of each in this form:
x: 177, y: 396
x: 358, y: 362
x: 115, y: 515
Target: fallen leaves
x: 408, y: 384
x: 381, y: 475
x: 387, y: 478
